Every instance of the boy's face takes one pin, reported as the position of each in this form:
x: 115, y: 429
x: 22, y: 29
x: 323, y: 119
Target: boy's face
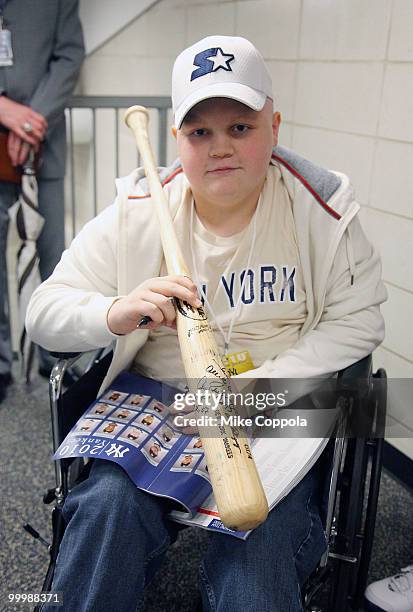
x: 225, y: 148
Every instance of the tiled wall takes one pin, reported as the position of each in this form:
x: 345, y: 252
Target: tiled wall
x: 343, y: 81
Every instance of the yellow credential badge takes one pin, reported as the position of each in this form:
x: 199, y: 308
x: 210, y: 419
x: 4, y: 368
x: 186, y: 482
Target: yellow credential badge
x: 236, y: 363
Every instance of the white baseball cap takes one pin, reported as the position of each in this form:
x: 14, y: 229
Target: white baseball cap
x: 219, y: 66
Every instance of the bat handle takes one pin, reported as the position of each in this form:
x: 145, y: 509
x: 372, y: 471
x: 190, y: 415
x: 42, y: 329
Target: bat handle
x: 137, y: 117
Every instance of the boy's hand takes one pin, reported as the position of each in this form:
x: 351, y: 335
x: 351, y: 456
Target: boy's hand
x: 186, y: 414
x: 152, y: 299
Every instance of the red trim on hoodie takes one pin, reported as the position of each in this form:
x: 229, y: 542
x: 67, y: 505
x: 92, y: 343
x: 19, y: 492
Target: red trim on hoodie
x: 164, y: 182
x: 307, y: 185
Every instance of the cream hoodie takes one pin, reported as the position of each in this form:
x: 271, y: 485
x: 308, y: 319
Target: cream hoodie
x: 121, y: 248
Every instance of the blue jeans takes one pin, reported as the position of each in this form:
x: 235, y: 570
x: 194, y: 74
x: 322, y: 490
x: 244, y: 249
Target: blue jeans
x: 116, y: 537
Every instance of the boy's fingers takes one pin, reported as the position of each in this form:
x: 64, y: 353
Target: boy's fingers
x: 158, y: 307
x: 170, y: 289
x: 182, y: 280
x: 148, y: 309
x: 180, y: 408
x: 171, y: 325
x: 189, y: 431
x: 166, y: 306
x: 175, y: 286
x: 185, y: 423
x: 186, y: 415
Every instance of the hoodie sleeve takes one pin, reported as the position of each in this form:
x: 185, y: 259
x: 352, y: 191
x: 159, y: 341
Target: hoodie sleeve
x: 351, y: 325
x: 67, y: 312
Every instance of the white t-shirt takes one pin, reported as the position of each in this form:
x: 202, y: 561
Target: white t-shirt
x: 273, y: 303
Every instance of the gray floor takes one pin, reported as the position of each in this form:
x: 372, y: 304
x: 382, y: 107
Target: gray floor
x: 26, y: 470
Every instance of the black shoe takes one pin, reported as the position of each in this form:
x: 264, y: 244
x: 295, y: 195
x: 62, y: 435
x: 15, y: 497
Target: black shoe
x: 5, y: 381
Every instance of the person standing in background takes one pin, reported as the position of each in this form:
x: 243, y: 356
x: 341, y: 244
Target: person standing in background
x: 41, y: 52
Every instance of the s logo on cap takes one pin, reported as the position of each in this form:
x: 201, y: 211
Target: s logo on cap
x: 211, y: 60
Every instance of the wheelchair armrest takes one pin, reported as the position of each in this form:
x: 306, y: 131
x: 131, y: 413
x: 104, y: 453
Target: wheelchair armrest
x: 360, y: 369
x: 63, y: 370
x: 356, y: 378
x: 59, y: 355
x: 68, y: 404
x: 57, y: 375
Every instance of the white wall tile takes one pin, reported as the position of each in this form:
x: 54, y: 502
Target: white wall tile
x: 395, y: 429
x: 399, y: 329
x: 272, y: 25
x: 158, y: 73
x: 168, y: 4
x: 114, y: 76
x: 338, y: 151
x: 133, y: 40
x: 399, y: 395
x: 395, y: 366
x: 283, y: 86
x: 159, y: 32
x: 209, y: 19
x: 285, y: 135
x: 190, y: 3
x: 404, y: 445
x: 393, y: 236
x: 341, y: 96
x: 343, y: 30
x: 392, y: 178
x: 401, y: 37
x: 396, y: 118
x: 166, y: 31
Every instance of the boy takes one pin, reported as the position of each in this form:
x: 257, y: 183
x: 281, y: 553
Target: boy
x: 287, y: 277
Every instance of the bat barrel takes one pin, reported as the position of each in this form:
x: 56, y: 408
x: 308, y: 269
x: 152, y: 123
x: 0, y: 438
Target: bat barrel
x: 238, y: 491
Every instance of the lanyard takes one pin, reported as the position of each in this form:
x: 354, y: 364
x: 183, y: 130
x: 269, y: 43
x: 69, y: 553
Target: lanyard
x: 227, y: 337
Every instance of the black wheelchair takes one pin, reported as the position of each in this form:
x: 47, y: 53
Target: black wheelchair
x: 352, y: 466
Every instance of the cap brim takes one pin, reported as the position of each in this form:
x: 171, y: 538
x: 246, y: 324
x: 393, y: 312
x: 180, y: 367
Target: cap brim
x: 236, y: 91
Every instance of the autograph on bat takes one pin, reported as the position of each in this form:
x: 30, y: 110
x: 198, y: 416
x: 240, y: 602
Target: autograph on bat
x: 190, y: 312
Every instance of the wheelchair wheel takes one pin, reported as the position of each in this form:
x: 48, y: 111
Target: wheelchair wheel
x: 358, y: 487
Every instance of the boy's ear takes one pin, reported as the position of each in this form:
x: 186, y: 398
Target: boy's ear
x: 276, y: 121
x: 174, y: 131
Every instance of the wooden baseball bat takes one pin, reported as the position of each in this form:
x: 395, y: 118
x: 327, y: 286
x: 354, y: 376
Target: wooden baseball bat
x: 238, y: 491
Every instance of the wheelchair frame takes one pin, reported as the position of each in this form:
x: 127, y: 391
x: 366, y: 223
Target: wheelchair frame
x: 353, y: 482
x: 353, y: 497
